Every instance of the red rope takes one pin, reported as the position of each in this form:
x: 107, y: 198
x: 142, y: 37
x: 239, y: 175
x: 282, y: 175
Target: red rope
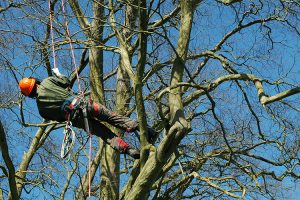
x: 71, y: 45
x: 80, y: 91
x: 76, y: 70
x: 90, y: 163
x: 52, y: 35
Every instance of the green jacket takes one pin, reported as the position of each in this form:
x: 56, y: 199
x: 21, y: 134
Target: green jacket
x: 51, y: 94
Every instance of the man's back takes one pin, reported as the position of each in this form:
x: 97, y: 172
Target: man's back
x: 51, y: 94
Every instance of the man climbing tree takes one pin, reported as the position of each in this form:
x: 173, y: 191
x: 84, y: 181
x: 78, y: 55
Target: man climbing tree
x: 56, y: 101
x: 218, y: 79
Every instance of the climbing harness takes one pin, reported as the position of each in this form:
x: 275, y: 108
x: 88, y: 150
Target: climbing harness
x: 69, y: 133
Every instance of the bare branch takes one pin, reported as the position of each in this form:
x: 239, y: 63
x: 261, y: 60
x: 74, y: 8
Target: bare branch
x: 82, y: 20
x: 11, y: 5
x: 229, y: 2
x: 10, y: 166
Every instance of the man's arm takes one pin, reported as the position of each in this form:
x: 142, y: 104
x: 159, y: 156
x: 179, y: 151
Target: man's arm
x: 61, y: 79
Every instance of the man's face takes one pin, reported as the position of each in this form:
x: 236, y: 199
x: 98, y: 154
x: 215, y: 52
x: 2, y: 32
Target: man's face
x: 33, y: 94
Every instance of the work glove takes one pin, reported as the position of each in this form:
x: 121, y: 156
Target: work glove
x: 56, y: 71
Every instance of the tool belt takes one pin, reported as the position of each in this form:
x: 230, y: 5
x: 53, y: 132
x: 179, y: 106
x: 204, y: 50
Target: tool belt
x: 69, y: 107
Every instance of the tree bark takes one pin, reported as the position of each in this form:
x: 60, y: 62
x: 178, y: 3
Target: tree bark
x: 158, y: 158
x: 94, y: 33
x: 9, y: 164
x: 96, y: 53
x: 138, y: 87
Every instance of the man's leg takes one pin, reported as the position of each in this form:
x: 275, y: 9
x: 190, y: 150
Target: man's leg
x: 125, y: 123
x: 112, y: 139
x: 102, y: 113
x: 107, y: 136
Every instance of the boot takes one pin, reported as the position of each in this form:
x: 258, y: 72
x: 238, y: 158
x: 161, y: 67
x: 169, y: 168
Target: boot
x: 134, y: 153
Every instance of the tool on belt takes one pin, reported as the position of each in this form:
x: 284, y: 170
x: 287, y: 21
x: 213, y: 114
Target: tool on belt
x: 69, y: 110
x: 68, y: 140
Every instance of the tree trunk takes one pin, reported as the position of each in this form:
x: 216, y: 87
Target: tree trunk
x: 158, y: 159
x: 110, y: 174
x: 143, y: 23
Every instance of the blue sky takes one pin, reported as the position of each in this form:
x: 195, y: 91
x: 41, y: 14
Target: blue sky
x: 211, y: 24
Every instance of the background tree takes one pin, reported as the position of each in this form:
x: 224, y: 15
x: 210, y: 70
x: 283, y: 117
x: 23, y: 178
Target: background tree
x: 218, y: 80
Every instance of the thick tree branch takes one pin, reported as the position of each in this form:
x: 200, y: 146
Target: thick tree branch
x: 36, y: 143
x: 125, y: 56
x: 165, y: 19
x: 178, y: 123
x: 82, y: 20
x: 9, y: 164
x: 263, y: 98
x: 214, y: 185
x: 138, y: 87
x: 82, y: 64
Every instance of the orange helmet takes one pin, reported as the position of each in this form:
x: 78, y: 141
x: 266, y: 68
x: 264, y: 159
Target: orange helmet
x: 27, y: 85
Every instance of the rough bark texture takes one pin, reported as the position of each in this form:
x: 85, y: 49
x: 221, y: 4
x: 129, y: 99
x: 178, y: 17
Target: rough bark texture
x: 143, y: 23
x: 158, y: 159
x: 96, y: 55
x: 175, y: 97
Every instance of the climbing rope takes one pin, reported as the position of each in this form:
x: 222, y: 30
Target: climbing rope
x: 69, y: 133
x: 52, y: 34
x: 71, y: 46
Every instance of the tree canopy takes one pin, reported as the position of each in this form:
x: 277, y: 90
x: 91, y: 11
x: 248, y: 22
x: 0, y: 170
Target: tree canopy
x: 218, y: 81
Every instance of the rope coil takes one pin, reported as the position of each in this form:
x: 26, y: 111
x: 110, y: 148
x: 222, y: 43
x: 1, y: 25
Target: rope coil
x: 68, y: 140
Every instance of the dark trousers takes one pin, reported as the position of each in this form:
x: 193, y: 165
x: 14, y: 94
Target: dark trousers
x: 97, y: 113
